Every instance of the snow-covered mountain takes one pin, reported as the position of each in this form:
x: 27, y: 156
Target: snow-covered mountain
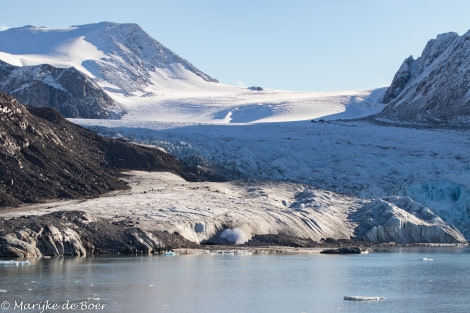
x: 151, y: 82
x: 434, y: 88
x: 120, y: 57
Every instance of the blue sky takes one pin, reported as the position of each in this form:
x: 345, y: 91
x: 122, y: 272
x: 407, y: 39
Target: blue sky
x: 305, y: 45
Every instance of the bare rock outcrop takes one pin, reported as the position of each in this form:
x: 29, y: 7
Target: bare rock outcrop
x: 79, y: 233
x: 344, y: 250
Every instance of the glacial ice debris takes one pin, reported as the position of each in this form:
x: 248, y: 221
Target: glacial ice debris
x: 235, y: 236
x: 14, y: 263
x: 169, y: 253
x: 402, y: 220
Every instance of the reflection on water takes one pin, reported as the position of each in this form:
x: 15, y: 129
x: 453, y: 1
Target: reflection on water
x: 257, y: 283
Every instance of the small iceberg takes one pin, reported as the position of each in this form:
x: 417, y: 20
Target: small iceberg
x: 243, y: 252
x: 14, y: 263
x: 3, y: 291
x: 169, y: 253
x: 363, y: 298
x: 427, y: 259
x: 223, y: 253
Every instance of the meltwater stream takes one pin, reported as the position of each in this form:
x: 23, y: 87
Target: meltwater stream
x: 411, y: 280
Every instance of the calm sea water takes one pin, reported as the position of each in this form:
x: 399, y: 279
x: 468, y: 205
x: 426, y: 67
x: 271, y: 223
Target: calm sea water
x: 256, y: 283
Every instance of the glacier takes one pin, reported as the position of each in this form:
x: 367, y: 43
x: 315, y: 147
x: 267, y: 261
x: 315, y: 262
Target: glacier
x: 299, y: 163
x: 353, y: 158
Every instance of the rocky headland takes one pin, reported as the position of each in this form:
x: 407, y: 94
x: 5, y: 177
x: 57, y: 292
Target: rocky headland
x: 79, y: 233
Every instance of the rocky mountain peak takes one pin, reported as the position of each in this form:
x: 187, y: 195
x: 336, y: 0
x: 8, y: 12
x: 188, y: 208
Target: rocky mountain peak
x: 433, y: 88
x: 137, y: 55
x: 68, y: 90
x: 436, y: 47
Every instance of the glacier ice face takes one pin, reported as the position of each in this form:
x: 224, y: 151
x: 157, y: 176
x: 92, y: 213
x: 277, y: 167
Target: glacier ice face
x: 402, y: 220
x: 350, y: 158
x: 450, y: 200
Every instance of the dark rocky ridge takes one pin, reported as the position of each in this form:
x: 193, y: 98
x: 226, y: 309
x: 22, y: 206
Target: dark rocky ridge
x: 68, y: 90
x: 44, y: 156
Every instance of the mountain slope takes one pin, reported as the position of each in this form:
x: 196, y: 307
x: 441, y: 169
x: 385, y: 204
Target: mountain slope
x: 43, y: 156
x: 121, y: 57
x: 432, y: 89
x: 68, y: 90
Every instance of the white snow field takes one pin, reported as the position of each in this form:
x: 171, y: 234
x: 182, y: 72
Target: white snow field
x: 296, y: 165
x: 216, y: 103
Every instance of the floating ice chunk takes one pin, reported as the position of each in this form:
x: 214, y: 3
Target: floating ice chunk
x: 243, y: 252
x: 223, y: 253
x: 363, y: 298
x: 427, y: 259
x: 14, y: 263
x: 3, y: 291
x: 169, y: 253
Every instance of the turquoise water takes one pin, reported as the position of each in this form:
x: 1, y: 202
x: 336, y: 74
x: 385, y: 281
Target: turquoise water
x: 242, y: 283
